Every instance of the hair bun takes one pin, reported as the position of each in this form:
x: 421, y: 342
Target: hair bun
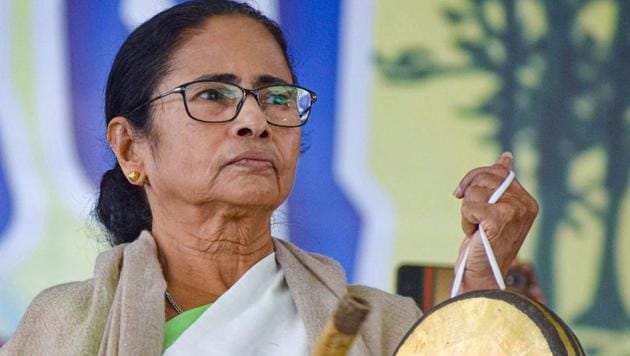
x: 122, y: 207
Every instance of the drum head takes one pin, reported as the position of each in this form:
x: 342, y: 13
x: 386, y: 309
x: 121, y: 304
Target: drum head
x: 489, y: 322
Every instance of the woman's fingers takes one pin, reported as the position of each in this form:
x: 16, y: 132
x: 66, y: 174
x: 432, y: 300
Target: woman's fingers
x: 493, y: 218
x: 500, y: 169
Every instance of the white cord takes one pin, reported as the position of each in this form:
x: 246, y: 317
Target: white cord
x: 496, y: 271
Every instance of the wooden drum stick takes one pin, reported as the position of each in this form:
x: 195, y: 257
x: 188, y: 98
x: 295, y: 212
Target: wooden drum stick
x: 342, y: 327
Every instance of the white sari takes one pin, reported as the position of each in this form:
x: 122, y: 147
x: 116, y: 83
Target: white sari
x: 256, y: 316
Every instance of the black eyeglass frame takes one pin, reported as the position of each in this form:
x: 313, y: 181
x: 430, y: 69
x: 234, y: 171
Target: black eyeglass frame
x: 181, y: 89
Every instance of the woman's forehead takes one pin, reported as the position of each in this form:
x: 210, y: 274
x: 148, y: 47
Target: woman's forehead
x: 234, y: 45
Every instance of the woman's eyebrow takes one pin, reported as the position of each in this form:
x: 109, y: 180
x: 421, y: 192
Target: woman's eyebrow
x: 220, y: 77
x: 261, y: 80
x: 267, y: 79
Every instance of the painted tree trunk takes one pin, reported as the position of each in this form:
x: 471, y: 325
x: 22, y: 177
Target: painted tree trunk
x: 553, y: 144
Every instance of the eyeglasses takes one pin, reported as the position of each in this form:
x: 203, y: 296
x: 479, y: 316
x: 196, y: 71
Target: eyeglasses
x: 213, y: 101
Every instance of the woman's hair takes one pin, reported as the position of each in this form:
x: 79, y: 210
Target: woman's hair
x: 139, y: 66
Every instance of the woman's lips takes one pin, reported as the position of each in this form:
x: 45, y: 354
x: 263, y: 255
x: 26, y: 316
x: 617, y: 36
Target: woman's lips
x: 257, y: 161
x: 256, y: 164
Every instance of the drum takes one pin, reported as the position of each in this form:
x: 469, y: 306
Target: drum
x: 490, y: 322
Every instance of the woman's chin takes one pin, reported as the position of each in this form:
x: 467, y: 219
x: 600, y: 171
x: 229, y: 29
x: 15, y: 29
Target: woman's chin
x: 255, y: 197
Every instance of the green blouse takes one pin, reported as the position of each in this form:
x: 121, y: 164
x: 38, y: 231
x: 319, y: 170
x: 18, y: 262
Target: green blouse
x: 176, y: 326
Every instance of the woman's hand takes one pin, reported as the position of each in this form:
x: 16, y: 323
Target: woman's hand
x: 506, y: 222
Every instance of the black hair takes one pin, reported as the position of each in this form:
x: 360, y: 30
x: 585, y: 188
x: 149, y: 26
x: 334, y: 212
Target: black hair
x: 142, y: 61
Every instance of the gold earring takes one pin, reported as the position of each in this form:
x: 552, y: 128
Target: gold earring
x: 133, y: 176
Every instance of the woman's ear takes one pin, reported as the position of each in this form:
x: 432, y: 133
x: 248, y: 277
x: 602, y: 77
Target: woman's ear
x: 128, y: 149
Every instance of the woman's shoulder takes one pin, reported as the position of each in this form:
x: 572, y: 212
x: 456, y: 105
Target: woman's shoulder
x: 392, y: 302
x: 51, y: 318
x: 58, y: 305
x: 392, y: 307
x: 327, y: 268
x: 76, y: 297
x: 68, y: 311
x: 391, y: 316
x: 62, y: 295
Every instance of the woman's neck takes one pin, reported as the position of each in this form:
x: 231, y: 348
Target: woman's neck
x: 202, y: 257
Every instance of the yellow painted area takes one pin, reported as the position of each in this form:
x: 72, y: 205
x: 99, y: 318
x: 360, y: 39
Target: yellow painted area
x: 597, y: 18
x: 21, y: 61
x: 609, y: 343
x: 421, y: 144
x: 419, y: 154
x: 536, y: 24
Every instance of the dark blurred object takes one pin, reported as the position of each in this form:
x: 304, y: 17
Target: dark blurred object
x: 431, y: 285
x: 426, y: 285
x: 521, y: 278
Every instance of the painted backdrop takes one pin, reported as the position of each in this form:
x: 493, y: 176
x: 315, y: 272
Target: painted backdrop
x: 412, y: 95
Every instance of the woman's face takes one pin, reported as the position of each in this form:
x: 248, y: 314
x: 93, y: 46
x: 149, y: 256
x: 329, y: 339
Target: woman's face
x: 244, y: 162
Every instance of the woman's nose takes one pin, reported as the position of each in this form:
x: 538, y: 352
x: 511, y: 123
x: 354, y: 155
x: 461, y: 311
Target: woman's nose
x: 251, y: 120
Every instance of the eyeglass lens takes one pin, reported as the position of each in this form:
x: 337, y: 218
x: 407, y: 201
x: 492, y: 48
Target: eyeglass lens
x: 284, y: 105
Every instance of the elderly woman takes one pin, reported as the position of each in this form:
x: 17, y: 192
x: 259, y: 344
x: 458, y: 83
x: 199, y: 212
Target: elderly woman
x: 204, y: 118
